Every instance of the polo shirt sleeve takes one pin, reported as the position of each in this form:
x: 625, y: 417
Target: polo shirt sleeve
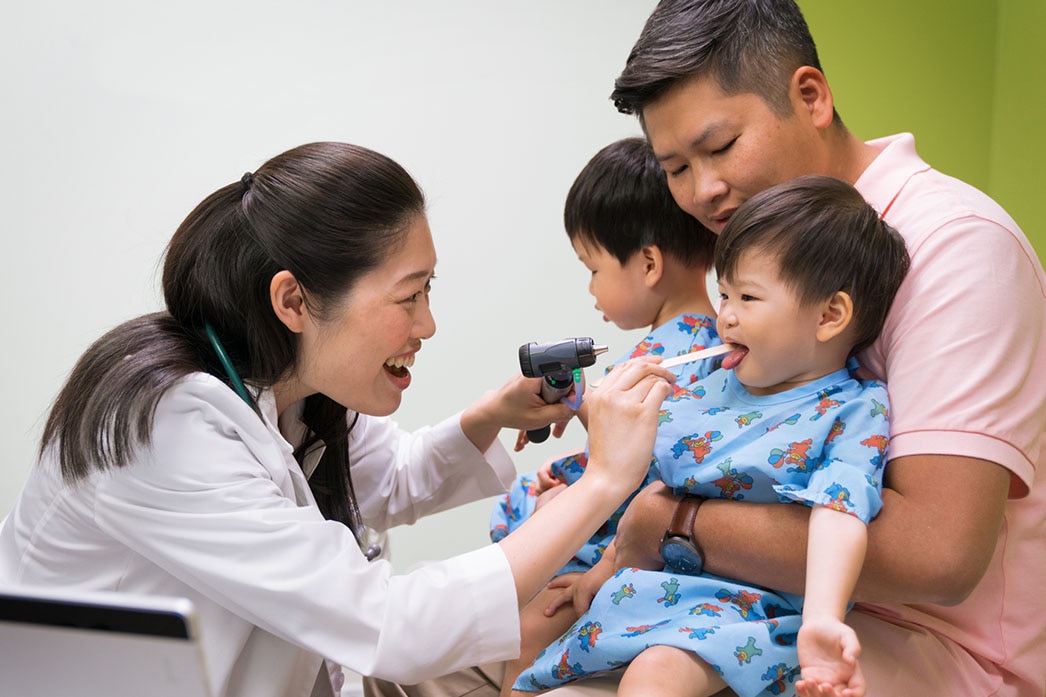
x: 961, y: 348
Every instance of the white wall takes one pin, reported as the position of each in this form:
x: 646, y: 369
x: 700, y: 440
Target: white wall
x: 118, y: 116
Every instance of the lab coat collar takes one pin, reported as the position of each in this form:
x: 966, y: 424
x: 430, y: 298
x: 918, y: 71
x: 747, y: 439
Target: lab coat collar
x: 288, y: 430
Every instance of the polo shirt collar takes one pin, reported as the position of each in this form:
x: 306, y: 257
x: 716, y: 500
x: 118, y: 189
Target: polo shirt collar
x: 884, y: 179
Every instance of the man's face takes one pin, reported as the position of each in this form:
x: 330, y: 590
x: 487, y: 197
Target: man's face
x: 718, y: 150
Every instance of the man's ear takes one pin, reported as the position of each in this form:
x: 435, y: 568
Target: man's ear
x: 810, y: 86
x: 653, y: 262
x: 836, y: 314
x: 288, y: 302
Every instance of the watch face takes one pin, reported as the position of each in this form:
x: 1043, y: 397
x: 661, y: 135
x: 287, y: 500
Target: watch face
x: 681, y: 556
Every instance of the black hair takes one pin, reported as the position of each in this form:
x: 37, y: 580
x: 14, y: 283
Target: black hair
x: 328, y: 213
x: 826, y: 238
x: 621, y: 202
x: 747, y: 46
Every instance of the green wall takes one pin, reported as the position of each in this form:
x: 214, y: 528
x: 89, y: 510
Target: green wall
x: 967, y: 77
x: 1018, y: 141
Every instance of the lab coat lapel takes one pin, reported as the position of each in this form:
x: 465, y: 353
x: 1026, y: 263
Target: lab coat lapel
x: 289, y: 430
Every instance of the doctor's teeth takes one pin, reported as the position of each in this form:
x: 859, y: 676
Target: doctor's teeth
x: 400, y: 361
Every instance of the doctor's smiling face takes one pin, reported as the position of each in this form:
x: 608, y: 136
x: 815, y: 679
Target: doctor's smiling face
x: 359, y: 351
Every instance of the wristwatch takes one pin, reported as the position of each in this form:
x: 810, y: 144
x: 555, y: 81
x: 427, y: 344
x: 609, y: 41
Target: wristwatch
x: 678, y: 547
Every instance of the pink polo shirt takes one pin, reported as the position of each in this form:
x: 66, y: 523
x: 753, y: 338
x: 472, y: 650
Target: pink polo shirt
x: 964, y: 354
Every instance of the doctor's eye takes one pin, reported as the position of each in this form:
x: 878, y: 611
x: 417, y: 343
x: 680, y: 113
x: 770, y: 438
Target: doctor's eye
x: 424, y: 292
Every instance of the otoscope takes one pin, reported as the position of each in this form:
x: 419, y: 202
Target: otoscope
x: 557, y: 363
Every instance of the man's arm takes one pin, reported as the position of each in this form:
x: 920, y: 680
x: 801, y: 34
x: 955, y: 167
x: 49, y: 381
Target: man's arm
x: 937, y: 531
x: 931, y: 543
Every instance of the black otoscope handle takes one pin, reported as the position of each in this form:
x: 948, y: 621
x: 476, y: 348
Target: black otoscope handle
x: 555, y: 362
x: 554, y: 387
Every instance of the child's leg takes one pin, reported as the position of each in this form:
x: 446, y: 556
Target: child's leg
x: 669, y: 672
x: 537, y: 631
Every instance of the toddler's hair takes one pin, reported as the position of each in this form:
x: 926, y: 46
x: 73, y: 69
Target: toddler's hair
x: 826, y: 238
x: 620, y: 201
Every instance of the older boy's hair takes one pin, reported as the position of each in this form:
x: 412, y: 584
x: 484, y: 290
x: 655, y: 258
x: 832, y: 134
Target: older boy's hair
x: 748, y: 46
x: 826, y: 238
x: 620, y: 201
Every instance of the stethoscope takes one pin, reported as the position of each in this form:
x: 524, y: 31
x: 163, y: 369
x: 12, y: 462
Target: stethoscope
x: 363, y: 534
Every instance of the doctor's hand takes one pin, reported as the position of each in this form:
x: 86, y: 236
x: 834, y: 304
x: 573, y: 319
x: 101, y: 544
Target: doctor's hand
x: 516, y: 404
x: 622, y: 421
x: 558, y: 428
x: 638, y: 540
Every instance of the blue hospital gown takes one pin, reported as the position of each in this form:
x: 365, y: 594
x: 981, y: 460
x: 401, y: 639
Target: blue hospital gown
x: 679, y: 336
x: 823, y: 443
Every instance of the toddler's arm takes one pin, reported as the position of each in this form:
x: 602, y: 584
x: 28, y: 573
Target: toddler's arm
x: 828, y: 647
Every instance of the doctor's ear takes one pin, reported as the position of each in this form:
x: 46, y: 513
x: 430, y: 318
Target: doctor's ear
x: 288, y: 300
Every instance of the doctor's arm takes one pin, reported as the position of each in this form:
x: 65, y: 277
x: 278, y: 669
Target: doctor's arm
x: 622, y: 425
x: 402, y: 476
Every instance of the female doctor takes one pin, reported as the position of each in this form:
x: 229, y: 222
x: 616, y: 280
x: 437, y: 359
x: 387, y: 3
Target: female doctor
x: 205, y: 451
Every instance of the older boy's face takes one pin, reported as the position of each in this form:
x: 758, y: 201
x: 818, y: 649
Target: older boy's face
x: 718, y: 150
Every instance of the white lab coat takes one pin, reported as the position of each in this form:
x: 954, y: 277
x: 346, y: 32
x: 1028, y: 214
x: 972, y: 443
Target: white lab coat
x: 218, y: 511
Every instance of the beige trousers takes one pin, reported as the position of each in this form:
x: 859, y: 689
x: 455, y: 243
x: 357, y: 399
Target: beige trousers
x: 485, y: 681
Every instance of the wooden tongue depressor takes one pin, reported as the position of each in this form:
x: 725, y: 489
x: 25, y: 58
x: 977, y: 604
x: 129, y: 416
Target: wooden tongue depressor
x: 698, y: 355
x: 689, y: 357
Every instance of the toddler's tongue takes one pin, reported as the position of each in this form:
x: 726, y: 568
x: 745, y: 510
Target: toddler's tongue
x: 731, y: 359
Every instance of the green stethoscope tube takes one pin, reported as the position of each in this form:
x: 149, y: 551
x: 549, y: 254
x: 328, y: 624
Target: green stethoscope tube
x: 234, y: 377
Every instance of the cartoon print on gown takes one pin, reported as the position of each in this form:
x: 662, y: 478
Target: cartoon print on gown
x: 679, y: 336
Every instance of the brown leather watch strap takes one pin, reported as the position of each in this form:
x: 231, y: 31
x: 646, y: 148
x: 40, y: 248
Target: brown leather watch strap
x: 683, y: 520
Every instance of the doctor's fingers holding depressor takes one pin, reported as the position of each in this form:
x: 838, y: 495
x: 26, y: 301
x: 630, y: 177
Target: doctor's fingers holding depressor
x: 622, y: 418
